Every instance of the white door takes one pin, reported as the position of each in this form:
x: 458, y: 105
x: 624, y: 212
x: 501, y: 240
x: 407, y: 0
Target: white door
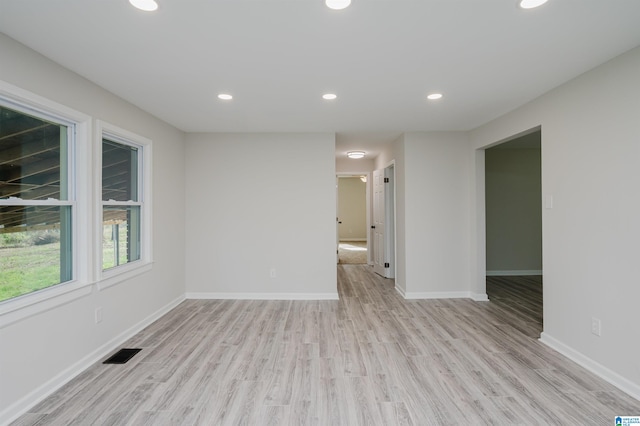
x: 378, y: 222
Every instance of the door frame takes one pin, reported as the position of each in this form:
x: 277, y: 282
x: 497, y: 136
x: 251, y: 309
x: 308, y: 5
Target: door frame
x: 390, y: 219
x: 367, y: 207
x: 479, y: 237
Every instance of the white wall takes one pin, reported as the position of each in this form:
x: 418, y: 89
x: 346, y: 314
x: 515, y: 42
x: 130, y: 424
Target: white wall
x: 42, y: 351
x: 436, y: 214
x: 354, y: 166
x: 257, y: 202
x: 352, y: 209
x: 432, y: 214
x: 591, y: 169
x: 514, y: 207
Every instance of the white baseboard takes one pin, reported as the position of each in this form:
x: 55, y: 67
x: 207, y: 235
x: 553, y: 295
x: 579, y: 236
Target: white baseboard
x: 264, y: 296
x: 443, y: 295
x: 438, y: 295
x: 480, y: 297
x: 515, y: 273
x: 625, y: 385
x: 21, y: 406
x: 346, y: 240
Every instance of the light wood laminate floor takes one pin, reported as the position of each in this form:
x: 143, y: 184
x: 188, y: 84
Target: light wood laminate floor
x: 370, y: 358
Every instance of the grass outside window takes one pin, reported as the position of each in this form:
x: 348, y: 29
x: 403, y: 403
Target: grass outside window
x: 26, y: 265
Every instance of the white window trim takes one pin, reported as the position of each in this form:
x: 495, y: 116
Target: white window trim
x: 24, y: 306
x: 124, y: 272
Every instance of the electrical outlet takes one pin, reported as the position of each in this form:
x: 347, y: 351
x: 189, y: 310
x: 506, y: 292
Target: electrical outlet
x: 548, y: 202
x: 98, y: 315
x: 596, y: 326
x: 272, y: 273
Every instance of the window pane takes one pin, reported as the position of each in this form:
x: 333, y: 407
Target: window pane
x: 35, y: 248
x: 120, y: 235
x: 33, y: 152
x: 119, y: 171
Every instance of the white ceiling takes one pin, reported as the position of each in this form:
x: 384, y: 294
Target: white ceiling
x: 277, y: 57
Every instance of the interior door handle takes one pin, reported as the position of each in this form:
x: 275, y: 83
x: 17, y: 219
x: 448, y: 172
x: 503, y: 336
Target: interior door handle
x: 373, y: 227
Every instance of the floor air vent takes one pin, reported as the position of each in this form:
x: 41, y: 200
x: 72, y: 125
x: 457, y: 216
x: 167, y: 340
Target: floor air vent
x: 122, y: 356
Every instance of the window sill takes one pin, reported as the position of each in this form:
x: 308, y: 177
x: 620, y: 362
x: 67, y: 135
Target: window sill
x: 14, y: 310
x: 122, y: 273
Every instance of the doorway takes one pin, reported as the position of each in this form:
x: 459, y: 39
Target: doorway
x: 352, y: 219
x: 513, y: 222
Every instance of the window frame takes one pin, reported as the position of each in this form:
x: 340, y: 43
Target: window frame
x: 119, y: 273
x: 79, y: 181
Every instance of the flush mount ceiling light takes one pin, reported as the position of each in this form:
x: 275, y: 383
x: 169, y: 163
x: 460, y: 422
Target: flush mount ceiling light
x: 225, y: 97
x: 530, y: 4
x: 337, y: 4
x: 434, y: 96
x: 355, y: 154
x: 146, y: 5
x: 329, y: 96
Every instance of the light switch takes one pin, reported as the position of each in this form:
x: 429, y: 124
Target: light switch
x: 548, y: 202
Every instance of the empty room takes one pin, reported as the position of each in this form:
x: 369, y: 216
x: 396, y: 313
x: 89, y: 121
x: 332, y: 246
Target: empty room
x: 169, y: 195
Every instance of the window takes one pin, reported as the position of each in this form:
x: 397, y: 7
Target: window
x: 61, y: 198
x: 37, y: 200
x: 124, y: 198
x: 121, y: 203
x: 45, y: 236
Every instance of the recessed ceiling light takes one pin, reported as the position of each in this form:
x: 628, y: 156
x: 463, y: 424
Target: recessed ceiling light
x: 329, y: 96
x: 530, y: 4
x: 146, y: 5
x: 355, y: 154
x: 225, y: 97
x: 337, y: 4
x: 434, y: 96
